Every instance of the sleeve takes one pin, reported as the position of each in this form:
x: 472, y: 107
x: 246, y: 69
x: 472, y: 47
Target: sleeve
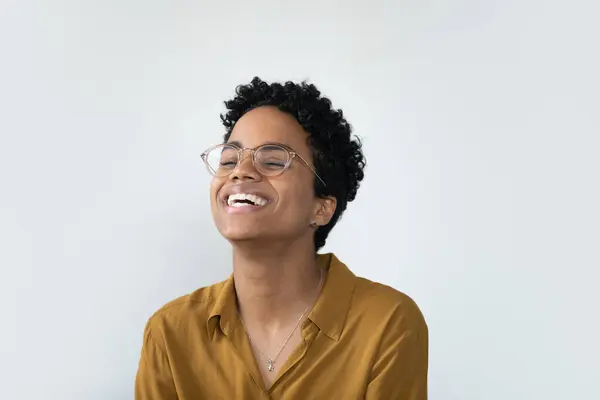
x: 400, y: 369
x: 154, y: 380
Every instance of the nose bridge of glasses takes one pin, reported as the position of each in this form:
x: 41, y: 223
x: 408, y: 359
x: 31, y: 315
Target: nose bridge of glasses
x: 244, y: 154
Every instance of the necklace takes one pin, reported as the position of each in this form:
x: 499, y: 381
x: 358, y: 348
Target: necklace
x: 271, y: 361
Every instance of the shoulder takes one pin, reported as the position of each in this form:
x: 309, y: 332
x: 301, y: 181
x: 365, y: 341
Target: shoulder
x: 192, y: 307
x: 384, y: 303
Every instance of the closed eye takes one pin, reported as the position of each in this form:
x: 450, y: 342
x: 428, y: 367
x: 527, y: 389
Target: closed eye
x: 274, y: 163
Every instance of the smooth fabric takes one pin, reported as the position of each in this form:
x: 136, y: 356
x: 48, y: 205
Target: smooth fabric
x: 362, y: 340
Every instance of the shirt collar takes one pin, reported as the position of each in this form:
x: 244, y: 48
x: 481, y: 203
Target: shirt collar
x: 224, y: 309
x: 330, y: 310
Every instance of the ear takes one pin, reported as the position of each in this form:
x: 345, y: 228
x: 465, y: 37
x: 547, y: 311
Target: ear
x: 324, y: 210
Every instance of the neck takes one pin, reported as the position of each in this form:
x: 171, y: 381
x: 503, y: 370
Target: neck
x: 275, y: 283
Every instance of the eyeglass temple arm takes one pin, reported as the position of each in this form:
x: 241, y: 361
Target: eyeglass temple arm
x: 309, y: 167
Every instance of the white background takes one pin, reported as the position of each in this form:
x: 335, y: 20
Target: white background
x: 480, y: 124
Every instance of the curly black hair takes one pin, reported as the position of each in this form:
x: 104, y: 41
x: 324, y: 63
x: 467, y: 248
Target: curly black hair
x: 337, y: 156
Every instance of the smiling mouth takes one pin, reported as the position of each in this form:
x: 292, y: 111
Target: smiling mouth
x: 245, y: 200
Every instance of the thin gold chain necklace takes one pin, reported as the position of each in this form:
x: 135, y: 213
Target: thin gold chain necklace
x: 271, y: 361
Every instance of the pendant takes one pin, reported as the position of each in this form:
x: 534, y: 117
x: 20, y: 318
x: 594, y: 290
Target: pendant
x: 271, y: 367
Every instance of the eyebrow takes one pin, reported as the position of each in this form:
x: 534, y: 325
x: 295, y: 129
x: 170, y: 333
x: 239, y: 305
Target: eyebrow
x: 239, y: 144
x: 236, y: 143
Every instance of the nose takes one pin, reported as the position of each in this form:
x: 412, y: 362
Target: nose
x: 245, y: 169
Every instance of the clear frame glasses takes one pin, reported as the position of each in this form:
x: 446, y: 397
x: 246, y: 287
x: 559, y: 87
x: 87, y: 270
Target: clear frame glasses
x: 268, y: 159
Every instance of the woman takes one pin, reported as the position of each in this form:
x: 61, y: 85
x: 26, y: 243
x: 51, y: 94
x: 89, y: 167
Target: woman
x: 289, y: 323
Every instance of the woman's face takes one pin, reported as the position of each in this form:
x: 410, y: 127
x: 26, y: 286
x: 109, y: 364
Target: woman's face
x: 287, y: 201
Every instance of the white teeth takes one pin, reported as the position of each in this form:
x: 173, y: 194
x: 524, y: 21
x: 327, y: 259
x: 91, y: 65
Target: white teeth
x: 237, y: 200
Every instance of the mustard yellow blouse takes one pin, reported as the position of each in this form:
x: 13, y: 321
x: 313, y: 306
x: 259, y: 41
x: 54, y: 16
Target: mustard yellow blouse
x: 362, y: 340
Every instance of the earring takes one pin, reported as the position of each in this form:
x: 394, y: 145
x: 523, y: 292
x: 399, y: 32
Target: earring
x: 313, y: 223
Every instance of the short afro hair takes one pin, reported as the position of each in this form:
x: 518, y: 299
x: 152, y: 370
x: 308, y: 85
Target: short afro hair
x: 337, y: 156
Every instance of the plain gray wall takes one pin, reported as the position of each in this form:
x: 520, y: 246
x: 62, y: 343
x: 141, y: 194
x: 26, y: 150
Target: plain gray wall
x: 480, y: 124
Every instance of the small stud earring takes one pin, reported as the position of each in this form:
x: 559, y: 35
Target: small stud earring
x: 313, y: 223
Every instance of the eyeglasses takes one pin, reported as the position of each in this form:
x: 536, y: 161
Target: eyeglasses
x: 268, y: 159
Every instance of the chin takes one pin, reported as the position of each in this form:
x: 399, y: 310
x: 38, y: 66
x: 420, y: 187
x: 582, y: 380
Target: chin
x: 253, y: 235
x: 239, y: 234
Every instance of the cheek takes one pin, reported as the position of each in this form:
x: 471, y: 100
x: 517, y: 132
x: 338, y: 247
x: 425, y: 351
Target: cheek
x: 297, y: 199
x: 215, y: 186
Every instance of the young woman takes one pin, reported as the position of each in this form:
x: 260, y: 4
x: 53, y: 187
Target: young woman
x: 289, y: 323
